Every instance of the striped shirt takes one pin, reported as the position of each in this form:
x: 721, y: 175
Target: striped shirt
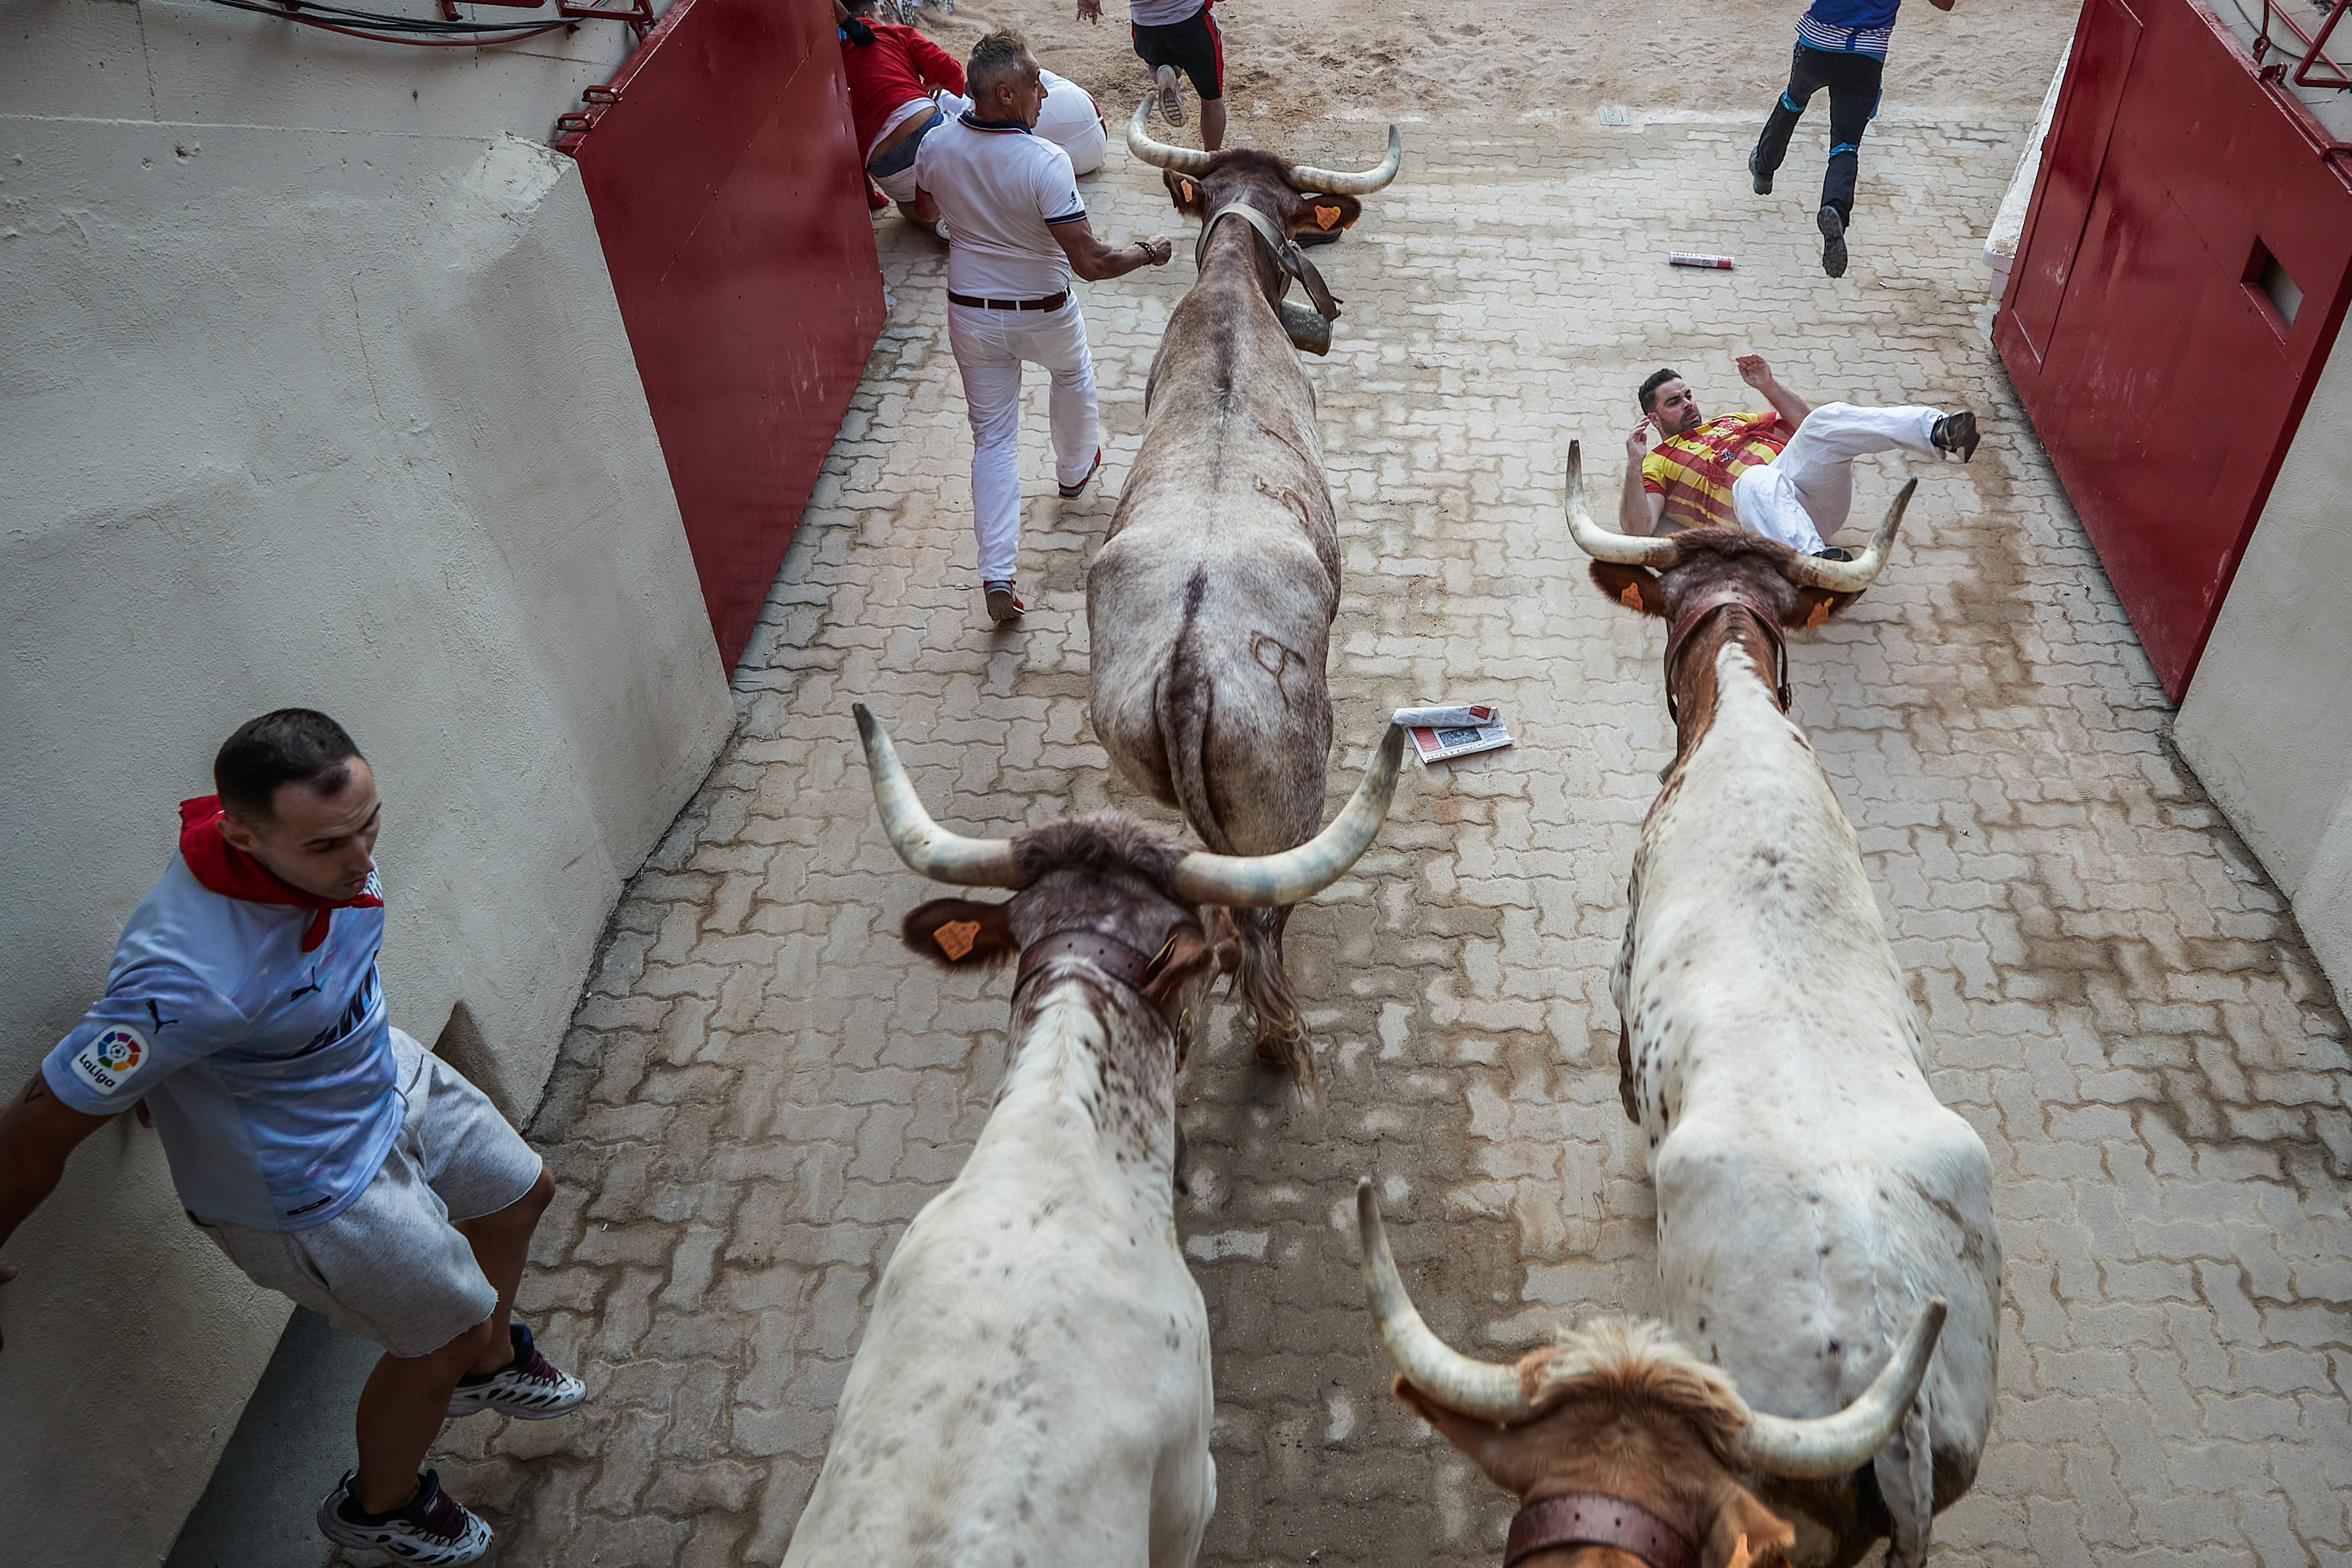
x: 1694, y: 472
x: 1849, y: 26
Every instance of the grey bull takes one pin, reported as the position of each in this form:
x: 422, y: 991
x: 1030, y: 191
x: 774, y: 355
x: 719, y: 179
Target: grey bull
x: 1210, y: 607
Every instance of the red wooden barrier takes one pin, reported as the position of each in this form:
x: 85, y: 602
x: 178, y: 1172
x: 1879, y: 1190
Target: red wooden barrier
x: 728, y: 194
x: 2179, y: 207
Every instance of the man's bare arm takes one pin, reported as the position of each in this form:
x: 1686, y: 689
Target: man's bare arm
x: 1093, y: 260
x: 1785, y: 403
x: 1637, y: 510
x: 38, y: 1131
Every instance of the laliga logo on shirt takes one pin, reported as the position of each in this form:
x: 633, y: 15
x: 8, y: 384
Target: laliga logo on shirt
x: 114, y: 1056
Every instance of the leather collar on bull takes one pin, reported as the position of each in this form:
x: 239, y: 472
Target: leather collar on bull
x: 1128, y: 967
x: 1596, y: 1518
x: 1697, y: 611
x: 1286, y: 254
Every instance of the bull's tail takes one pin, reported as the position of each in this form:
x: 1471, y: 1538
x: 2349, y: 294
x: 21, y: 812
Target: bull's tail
x: 1905, y: 1472
x: 1184, y: 701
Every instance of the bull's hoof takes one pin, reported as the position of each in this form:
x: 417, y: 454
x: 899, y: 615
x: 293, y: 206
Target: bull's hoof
x: 1309, y: 332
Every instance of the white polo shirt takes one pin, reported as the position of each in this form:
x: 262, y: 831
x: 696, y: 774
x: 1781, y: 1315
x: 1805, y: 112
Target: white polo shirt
x: 1000, y: 191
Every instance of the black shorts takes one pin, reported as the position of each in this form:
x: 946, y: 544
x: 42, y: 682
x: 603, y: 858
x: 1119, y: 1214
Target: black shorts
x: 1193, y: 46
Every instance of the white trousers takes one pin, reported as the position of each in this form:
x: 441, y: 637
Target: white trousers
x: 991, y: 347
x: 1803, y: 495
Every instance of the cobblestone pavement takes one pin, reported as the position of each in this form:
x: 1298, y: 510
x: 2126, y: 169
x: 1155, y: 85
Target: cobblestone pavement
x: 763, y: 1087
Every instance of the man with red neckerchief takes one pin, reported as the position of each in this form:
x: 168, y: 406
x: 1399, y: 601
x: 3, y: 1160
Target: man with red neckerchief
x: 323, y: 1150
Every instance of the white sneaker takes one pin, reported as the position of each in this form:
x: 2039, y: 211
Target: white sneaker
x: 1172, y: 96
x: 529, y: 1388
x: 432, y: 1527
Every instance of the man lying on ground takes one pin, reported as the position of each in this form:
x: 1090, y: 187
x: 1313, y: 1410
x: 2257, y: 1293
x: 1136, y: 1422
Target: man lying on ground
x: 1787, y: 475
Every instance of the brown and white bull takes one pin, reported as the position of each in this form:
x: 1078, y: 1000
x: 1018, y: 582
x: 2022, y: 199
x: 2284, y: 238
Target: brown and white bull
x: 1034, y: 1383
x: 1210, y: 607
x: 1815, y: 1200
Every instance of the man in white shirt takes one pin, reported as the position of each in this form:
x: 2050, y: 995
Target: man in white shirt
x: 1017, y: 232
x: 322, y: 1148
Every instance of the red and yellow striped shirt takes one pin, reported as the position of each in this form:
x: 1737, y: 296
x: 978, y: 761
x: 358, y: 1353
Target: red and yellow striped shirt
x: 1694, y: 472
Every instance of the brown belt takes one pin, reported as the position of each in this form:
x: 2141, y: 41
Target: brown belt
x: 1050, y: 302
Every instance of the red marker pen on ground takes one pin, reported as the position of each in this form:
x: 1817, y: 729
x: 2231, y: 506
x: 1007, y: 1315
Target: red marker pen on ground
x: 1693, y: 259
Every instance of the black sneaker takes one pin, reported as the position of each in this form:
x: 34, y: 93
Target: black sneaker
x: 1832, y: 229
x: 529, y: 1388
x: 1956, y: 433
x: 1756, y: 173
x: 432, y: 1527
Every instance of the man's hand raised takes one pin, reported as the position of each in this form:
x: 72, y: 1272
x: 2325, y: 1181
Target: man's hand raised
x: 1637, y: 445
x: 1754, y: 371
x: 1089, y: 10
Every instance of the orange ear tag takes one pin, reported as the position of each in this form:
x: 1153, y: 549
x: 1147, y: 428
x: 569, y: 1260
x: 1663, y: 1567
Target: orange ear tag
x: 955, y: 938
x: 1739, y: 1556
x: 1325, y: 216
x: 1632, y: 597
x: 1186, y: 186
x: 1821, y: 612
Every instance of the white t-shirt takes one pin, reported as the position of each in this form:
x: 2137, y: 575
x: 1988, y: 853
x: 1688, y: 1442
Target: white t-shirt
x: 268, y: 1070
x: 1001, y: 190
x: 1069, y: 120
x: 1162, y: 13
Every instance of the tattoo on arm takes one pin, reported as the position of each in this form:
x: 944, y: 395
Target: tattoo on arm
x: 35, y: 1091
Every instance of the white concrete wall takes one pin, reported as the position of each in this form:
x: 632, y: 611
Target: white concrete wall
x: 312, y: 390
x: 2267, y: 723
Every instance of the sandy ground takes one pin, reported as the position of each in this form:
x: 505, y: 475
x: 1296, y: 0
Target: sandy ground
x: 1292, y: 61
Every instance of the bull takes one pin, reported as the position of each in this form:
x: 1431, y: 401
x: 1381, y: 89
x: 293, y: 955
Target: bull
x: 1034, y: 1382
x: 1819, y: 1211
x: 1209, y: 609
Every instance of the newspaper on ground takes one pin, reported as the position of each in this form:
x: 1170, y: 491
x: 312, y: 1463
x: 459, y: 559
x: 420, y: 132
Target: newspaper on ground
x: 1441, y: 734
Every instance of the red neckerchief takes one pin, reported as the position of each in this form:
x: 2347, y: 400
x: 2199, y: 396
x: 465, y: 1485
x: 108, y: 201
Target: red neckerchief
x: 226, y: 869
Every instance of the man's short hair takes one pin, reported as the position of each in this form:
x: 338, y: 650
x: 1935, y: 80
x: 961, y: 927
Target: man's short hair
x: 858, y: 8
x: 1649, y: 392
x: 293, y: 745
x: 996, y: 55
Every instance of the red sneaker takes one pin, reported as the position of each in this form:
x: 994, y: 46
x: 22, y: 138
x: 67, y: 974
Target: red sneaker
x: 875, y: 200
x: 1002, y: 604
x: 1072, y: 492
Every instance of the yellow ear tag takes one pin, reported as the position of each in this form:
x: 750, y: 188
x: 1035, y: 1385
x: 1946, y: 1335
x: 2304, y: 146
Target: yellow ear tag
x: 1739, y: 1557
x: 1325, y: 216
x: 955, y: 938
x: 1632, y: 597
x: 1821, y: 612
x: 1186, y: 186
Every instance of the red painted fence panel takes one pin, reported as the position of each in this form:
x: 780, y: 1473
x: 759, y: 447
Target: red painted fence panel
x: 2144, y: 344
x: 728, y: 196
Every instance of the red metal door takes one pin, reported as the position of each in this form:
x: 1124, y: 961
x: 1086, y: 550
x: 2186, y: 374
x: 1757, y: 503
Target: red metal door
x: 2143, y: 336
x: 728, y: 196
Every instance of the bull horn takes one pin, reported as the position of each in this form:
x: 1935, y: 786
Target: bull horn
x: 1266, y: 881
x: 1618, y: 549
x: 1832, y: 1445
x: 1474, y: 1388
x: 923, y: 843
x: 1852, y: 576
x: 1305, y: 178
x: 1183, y: 160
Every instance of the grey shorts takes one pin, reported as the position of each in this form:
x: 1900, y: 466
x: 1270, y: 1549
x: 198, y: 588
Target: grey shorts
x: 392, y: 1267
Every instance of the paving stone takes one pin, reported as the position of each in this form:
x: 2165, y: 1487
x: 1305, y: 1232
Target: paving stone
x: 761, y: 1087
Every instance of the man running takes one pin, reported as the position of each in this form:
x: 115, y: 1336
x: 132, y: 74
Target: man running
x: 323, y: 1150
x: 1173, y: 36
x: 1787, y: 475
x: 1842, y: 46
x: 1017, y: 233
